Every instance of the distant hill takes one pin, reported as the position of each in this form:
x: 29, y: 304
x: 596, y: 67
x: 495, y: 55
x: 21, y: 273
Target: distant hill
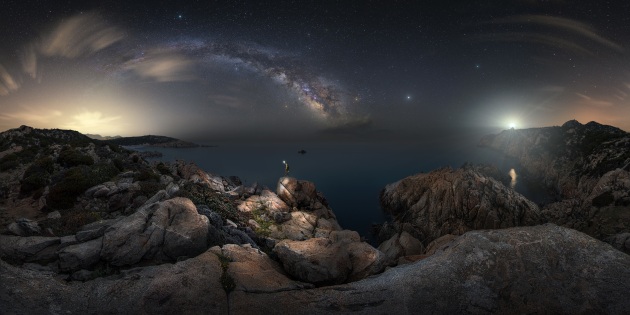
x: 154, y: 141
x: 99, y: 137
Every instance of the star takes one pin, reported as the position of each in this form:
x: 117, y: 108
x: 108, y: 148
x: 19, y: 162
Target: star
x: 408, y: 97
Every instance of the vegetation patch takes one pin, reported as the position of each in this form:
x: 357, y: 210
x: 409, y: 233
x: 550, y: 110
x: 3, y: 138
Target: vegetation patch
x: 69, y: 157
x: 227, y: 282
x: 70, y: 222
x: 37, y: 175
x: 264, y: 223
x: 201, y: 195
x: 75, y: 181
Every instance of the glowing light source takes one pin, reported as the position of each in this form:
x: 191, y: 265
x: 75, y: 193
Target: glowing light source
x: 511, y: 125
x: 513, y: 177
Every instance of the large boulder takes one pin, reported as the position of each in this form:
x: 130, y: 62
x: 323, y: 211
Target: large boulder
x: 24, y: 227
x: 253, y: 271
x: 80, y: 256
x: 448, y: 201
x: 339, y: 258
x: 161, y: 231
x: 187, y: 287
x: 538, y: 269
x: 401, y: 244
x: 18, y: 249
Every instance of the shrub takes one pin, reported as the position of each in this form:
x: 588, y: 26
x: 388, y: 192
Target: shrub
x: 70, y: 157
x: 76, y: 181
x: 147, y: 174
x: 8, y: 165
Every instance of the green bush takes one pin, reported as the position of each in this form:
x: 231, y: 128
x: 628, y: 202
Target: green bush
x: 163, y: 169
x: 75, y: 181
x: 70, y: 157
x: 8, y: 165
x: 147, y: 174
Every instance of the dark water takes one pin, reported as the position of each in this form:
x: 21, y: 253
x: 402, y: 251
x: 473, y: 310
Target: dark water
x: 350, y: 175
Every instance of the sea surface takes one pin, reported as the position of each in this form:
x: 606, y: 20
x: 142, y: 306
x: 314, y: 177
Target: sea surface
x: 350, y: 175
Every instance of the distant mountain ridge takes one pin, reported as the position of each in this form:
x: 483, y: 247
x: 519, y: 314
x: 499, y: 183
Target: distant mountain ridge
x: 99, y: 137
x: 154, y: 141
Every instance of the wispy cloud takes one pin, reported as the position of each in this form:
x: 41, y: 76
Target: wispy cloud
x: 593, y: 101
x: 80, y: 35
x: 551, y: 31
x: 162, y: 67
x: 77, y: 36
x: 226, y: 100
x: 7, y: 83
x: 31, y: 116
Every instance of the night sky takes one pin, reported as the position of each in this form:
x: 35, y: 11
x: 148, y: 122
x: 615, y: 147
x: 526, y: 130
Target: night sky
x: 211, y: 71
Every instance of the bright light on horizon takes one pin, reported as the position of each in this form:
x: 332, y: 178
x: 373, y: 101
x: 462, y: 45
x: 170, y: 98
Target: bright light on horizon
x: 511, y: 125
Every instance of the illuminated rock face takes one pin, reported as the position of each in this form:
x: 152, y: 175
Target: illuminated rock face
x: 339, y: 258
x: 448, y: 201
x: 161, y: 231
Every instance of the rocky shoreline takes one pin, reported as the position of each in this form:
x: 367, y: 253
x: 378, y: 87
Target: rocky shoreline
x: 112, y: 233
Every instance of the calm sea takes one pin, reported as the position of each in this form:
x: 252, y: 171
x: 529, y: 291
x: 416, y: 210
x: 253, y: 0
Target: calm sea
x: 350, y: 175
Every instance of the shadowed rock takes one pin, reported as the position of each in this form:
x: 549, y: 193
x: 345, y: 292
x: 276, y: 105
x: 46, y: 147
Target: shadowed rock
x: 448, y: 201
x: 480, y: 272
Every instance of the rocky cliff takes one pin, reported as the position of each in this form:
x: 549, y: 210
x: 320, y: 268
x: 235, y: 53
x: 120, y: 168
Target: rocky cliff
x: 427, y: 206
x: 585, y: 166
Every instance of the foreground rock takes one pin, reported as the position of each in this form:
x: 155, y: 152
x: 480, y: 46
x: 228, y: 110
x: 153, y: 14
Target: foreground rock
x: 161, y: 231
x: 540, y: 269
x: 342, y: 257
x: 448, y: 201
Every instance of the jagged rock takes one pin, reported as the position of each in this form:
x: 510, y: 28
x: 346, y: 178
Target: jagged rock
x: 620, y: 241
x: 235, y: 236
x: 330, y: 260
x: 161, y: 231
x: 584, y: 166
x: 54, y: 215
x: 33, y: 248
x: 119, y: 201
x: 68, y: 240
x: 315, y: 260
x: 189, y: 286
x: 213, y: 217
x: 98, y: 224
x: 253, y: 271
x: 24, y: 227
x: 402, y: 244
x: 482, y: 272
x: 297, y: 193
x: 172, y: 189
x: 86, y: 235
x: 267, y: 201
x: 450, y: 201
x: 82, y: 275
x: 602, y: 212
x: 438, y: 243
x: 80, y: 256
x: 159, y: 196
x: 193, y: 173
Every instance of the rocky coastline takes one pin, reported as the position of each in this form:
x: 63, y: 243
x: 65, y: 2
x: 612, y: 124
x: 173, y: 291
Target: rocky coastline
x: 90, y: 227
